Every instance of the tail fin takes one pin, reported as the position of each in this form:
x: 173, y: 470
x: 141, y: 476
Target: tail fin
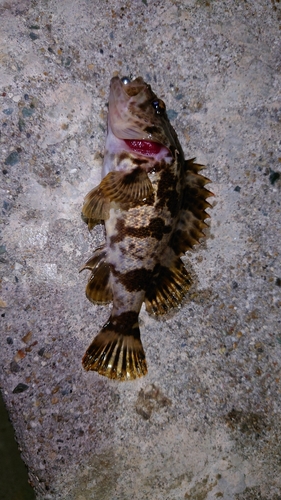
x: 117, y: 352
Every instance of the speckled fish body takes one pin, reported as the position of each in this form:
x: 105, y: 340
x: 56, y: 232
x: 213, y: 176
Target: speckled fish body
x: 153, y: 206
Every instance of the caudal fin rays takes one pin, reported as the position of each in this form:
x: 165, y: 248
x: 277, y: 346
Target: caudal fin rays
x: 117, y: 355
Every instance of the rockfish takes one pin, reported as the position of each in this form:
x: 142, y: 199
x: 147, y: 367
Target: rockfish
x: 153, y: 205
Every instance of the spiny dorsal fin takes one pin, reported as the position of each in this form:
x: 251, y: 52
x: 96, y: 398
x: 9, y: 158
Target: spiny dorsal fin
x: 194, y: 167
x: 169, y: 285
x: 98, y: 289
x: 117, y: 352
x: 192, y: 178
x: 190, y: 225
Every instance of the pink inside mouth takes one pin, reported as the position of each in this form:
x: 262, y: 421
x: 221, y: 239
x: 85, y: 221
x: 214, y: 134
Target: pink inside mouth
x: 146, y: 148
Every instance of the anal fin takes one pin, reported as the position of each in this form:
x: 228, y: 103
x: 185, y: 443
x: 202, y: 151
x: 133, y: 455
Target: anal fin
x: 117, y: 352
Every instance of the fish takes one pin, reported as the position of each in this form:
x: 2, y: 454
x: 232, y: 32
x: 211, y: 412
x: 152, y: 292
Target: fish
x: 153, y: 205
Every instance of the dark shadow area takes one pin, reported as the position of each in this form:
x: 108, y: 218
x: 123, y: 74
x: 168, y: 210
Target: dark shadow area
x: 13, y: 473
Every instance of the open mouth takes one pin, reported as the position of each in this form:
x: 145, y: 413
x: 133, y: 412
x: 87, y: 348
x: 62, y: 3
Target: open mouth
x: 145, y: 148
x: 127, y: 128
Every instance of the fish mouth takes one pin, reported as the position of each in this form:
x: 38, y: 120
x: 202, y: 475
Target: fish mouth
x: 128, y: 120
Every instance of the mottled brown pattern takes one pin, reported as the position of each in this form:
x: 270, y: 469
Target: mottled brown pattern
x: 123, y: 156
x: 155, y: 229
x: 167, y: 193
x: 139, y: 161
x: 152, y: 130
x: 154, y: 207
x: 157, y: 166
x: 134, y: 176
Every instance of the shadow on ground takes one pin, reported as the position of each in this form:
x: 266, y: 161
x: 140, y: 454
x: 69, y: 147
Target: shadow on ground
x: 13, y: 473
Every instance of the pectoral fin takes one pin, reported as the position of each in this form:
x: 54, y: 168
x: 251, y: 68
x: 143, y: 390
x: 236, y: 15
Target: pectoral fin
x: 129, y: 187
x: 119, y: 187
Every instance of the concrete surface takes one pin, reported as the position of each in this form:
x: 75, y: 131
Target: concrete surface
x: 205, y: 422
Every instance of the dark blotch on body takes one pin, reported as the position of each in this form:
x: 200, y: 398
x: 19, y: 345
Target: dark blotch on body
x: 135, y: 280
x: 167, y: 193
x: 123, y: 156
x: 124, y: 322
x: 155, y: 229
x: 133, y: 176
x: 158, y: 166
x: 139, y: 161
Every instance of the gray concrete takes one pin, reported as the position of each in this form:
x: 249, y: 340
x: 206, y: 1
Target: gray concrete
x: 205, y: 422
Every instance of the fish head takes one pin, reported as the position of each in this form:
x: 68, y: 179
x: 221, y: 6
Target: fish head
x: 138, y: 117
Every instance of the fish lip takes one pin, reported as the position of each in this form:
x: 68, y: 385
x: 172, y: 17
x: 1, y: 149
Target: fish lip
x: 117, y: 84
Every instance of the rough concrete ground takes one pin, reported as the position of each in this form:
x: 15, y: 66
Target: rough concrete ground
x: 205, y: 422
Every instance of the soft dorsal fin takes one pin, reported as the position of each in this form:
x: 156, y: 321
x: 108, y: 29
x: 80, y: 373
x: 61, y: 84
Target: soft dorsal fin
x: 190, y: 225
x: 119, y: 187
x: 169, y: 284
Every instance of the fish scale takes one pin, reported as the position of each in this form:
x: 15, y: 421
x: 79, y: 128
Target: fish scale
x: 153, y: 205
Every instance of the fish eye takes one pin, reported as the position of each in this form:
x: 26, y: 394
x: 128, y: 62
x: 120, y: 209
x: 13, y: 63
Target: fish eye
x: 159, y: 106
x: 125, y: 80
